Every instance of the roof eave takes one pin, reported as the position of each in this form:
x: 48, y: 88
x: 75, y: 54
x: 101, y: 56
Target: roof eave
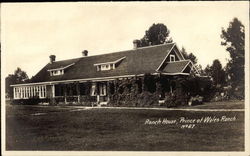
x: 61, y: 68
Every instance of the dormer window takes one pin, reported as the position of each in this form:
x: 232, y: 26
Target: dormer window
x: 107, y: 65
x: 59, y: 71
x: 172, y: 58
x: 56, y: 72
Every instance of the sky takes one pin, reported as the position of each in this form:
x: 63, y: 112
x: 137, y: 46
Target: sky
x: 30, y: 32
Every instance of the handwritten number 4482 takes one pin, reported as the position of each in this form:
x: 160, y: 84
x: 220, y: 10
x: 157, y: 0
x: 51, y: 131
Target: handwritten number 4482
x: 188, y: 126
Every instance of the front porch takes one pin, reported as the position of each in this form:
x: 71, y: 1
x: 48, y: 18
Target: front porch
x: 142, y: 90
x: 83, y: 93
x: 114, y: 92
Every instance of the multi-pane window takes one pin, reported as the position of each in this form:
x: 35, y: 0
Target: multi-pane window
x: 29, y: 92
x: 104, y: 67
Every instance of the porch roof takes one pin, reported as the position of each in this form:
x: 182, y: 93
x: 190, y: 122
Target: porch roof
x: 176, y: 67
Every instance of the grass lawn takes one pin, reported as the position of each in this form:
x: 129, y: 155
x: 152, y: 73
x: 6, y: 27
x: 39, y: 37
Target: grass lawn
x: 219, y: 105
x: 65, y: 128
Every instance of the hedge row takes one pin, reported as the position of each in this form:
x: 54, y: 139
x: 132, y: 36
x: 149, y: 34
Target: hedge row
x: 31, y: 101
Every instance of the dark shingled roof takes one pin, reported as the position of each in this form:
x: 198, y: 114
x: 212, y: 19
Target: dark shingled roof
x: 137, y: 61
x: 60, y: 64
x: 175, y: 67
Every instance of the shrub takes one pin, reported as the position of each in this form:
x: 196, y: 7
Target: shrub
x: 30, y: 101
x: 147, y: 99
x: 202, y: 86
x: 175, y: 99
x: 196, y: 100
x: 143, y: 99
x: 58, y: 100
x: 170, y: 100
x: 87, y: 100
x: 149, y: 83
x: 72, y: 98
x: 238, y: 92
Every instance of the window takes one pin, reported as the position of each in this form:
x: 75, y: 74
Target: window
x: 56, y: 72
x: 102, y: 89
x: 93, y: 90
x: 172, y: 58
x: 29, y: 92
x: 105, y: 67
x: 98, y: 68
x: 108, y: 65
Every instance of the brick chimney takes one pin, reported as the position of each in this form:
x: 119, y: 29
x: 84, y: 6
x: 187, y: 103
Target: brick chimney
x: 52, y: 58
x: 85, y: 53
x: 135, y: 43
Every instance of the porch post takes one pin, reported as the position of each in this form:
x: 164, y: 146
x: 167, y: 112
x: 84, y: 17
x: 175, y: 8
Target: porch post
x: 159, y: 87
x: 53, y: 90
x: 97, y: 93
x: 65, y: 93
x: 39, y: 91
x: 31, y: 89
x: 115, y: 86
x: 78, y: 91
x: 142, y: 84
x: 98, y: 98
x: 21, y: 91
x: 108, y: 90
x: 14, y: 92
x: 171, y: 89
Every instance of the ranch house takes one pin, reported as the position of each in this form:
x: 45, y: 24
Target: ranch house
x: 96, y: 78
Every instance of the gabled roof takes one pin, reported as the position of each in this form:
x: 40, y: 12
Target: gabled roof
x: 176, y: 67
x: 137, y: 61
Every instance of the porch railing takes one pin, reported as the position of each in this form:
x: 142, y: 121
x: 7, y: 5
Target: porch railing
x: 82, y: 99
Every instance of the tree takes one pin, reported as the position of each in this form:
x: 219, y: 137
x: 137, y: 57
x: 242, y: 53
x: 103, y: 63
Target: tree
x: 234, y: 40
x: 189, y: 56
x: 208, y: 70
x: 192, y: 57
x: 19, y: 76
x: 201, y: 71
x: 217, y: 73
x: 156, y: 34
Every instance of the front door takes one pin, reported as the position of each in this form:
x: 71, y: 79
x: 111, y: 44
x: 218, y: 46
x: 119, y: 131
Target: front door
x: 99, y: 90
x: 103, y: 98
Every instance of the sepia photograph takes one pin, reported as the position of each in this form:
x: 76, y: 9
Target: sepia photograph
x: 153, y: 77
